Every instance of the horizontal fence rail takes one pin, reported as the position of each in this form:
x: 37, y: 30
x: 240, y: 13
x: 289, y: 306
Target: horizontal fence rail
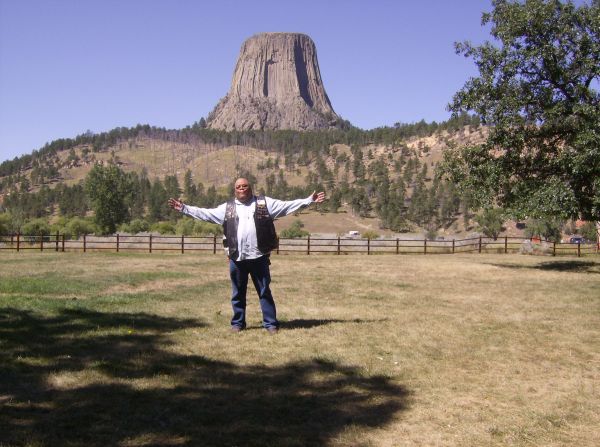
x: 157, y: 243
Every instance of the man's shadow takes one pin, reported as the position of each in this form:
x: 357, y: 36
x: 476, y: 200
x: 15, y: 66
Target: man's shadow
x: 311, y: 323
x: 135, y: 390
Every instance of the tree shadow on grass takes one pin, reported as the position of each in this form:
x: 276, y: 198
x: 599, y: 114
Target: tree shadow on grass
x: 558, y: 266
x: 123, y: 387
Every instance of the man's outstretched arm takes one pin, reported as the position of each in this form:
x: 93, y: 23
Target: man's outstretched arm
x: 279, y: 208
x: 214, y: 215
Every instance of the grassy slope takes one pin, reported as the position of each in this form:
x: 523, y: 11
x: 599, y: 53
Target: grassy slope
x: 465, y: 350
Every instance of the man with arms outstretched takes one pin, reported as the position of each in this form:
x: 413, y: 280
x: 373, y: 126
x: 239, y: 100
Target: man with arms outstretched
x: 249, y: 238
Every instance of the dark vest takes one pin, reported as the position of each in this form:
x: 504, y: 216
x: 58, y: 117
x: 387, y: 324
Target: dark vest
x: 265, y: 228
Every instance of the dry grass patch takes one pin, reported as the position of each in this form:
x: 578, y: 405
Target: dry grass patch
x: 462, y: 350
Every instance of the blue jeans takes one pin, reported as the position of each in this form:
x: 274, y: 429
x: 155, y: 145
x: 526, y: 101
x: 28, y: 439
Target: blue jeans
x: 258, y: 269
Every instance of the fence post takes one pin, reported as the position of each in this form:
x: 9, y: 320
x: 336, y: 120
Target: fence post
x: 150, y: 244
x: 554, y: 249
x: 479, y: 244
x: 63, y: 242
x: 505, y: 244
x: 338, y: 247
x: 278, y: 240
x: 41, y: 242
x: 397, y: 246
x: 18, y: 241
x: 84, y: 242
x: 214, y: 244
x: 424, y: 246
x: 117, y: 242
x: 57, y: 241
x: 579, y: 249
x: 453, y: 245
x: 182, y: 244
x: 369, y: 245
x: 308, y: 245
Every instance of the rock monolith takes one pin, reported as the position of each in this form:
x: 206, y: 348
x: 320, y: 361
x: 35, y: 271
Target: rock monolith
x: 276, y: 85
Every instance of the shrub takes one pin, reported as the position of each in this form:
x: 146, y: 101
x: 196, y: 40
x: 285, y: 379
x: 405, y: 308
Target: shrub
x: 589, y: 231
x: 369, y: 234
x: 164, y: 228
x: 78, y: 226
x: 5, y: 223
x: 547, y: 228
x: 206, y: 228
x: 135, y: 226
x: 431, y: 234
x: 36, y: 227
x: 185, y: 227
x: 294, y: 231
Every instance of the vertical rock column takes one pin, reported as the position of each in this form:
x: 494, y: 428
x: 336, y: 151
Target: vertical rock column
x: 276, y: 85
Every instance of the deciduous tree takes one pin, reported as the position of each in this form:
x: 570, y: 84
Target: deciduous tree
x: 538, y: 89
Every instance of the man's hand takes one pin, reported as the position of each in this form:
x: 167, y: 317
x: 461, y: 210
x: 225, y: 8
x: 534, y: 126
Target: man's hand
x: 176, y: 204
x: 318, y: 197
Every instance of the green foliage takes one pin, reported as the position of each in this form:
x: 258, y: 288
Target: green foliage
x: 158, y: 208
x: 206, y: 228
x: 589, y: 231
x: 537, y: 87
x: 163, y: 228
x: 185, y: 227
x: 431, y: 233
x: 135, y: 226
x: 72, y: 200
x: 549, y: 229
x: 490, y: 221
x: 36, y: 227
x: 78, y: 226
x: 107, y: 188
x: 74, y: 227
x: 294, y: 231
x: 335, y: 201
x: 192, y: 227
x: 5, y: 224
x: 369, y: 234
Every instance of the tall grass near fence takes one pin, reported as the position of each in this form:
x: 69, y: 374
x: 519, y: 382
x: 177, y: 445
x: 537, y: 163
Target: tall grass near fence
x: 134, y: 349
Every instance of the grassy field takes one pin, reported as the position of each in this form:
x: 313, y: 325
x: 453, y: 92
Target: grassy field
x: 135, y: 350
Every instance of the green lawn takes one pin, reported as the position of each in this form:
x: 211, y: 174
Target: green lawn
x: 102, y: 349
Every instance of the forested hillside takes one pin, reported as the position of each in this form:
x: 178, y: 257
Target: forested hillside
x: 389, y: 174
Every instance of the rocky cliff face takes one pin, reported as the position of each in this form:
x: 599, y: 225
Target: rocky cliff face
x: 276, y: 85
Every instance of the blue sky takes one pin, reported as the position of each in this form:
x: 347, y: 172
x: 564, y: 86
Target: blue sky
x: 68, y: 66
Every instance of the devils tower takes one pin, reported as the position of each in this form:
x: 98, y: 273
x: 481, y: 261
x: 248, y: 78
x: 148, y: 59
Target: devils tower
x: 276, y: 85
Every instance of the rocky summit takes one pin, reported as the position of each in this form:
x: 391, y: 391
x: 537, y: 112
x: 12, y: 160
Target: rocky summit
x: 276, y: 85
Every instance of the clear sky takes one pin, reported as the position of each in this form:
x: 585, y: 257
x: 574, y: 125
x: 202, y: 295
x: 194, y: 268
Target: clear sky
x: 68, y: 66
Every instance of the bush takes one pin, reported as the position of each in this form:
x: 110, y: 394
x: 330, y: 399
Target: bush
x: 549, y: 229
x: 294, y: 231
x: 369, y: 234
x: 5, y: 224
x: 589, y: 231
x: 206, y: 228
x: 163, y: 228
x: 135, y: 226
x: 185, y: 227
x: 78, y: 226
x: 431, y: 234
x: 36, y: 228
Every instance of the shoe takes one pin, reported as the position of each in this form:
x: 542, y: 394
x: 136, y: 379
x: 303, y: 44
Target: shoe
x: 272, y: 330
x: 236, y: 329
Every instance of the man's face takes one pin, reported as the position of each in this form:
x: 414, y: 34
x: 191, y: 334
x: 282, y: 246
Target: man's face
x: 243, y: 191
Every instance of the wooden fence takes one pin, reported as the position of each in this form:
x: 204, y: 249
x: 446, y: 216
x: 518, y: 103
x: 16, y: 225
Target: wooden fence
x: 183, y: 244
